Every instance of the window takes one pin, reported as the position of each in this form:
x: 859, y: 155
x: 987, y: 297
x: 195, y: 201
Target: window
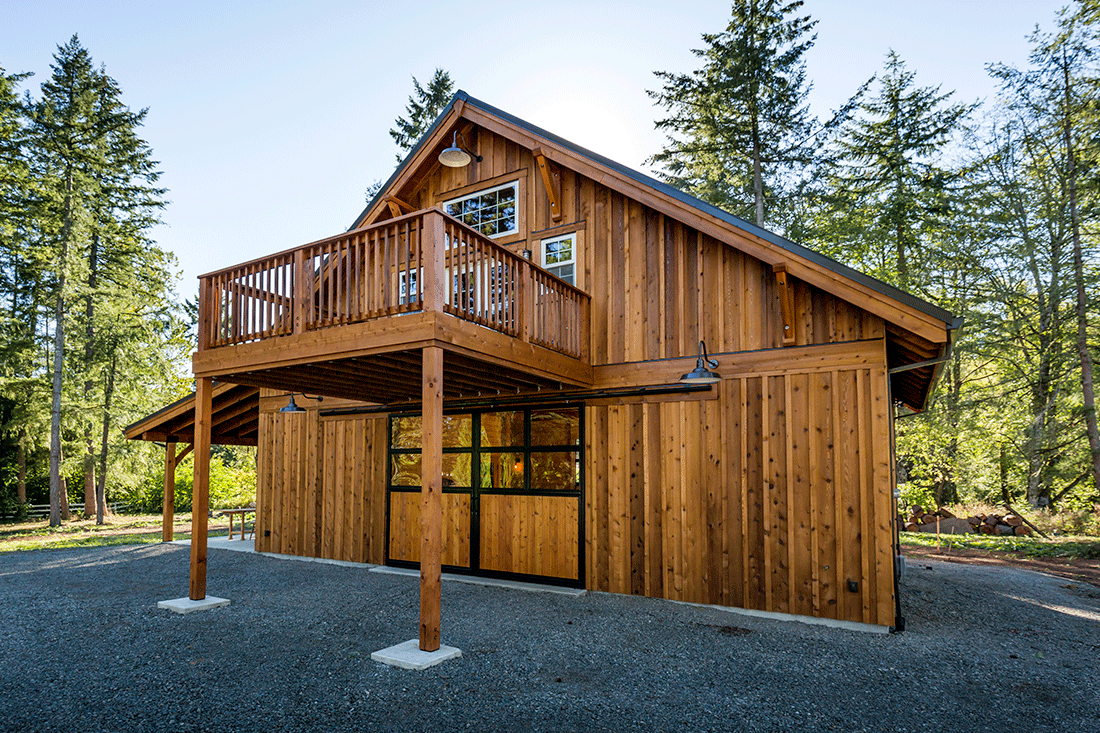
x: 492, y: 212
x: 559, y: 256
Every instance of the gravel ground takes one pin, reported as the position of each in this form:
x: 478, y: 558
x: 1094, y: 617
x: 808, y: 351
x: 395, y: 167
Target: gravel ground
x: 83, y: 647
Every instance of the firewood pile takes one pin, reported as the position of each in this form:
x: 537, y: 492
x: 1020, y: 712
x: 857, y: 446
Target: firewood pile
x: 944, y: 521
x: 918, y: 518
x: 999, y: 525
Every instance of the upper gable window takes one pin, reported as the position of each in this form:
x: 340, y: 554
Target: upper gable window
x: 492, y: 212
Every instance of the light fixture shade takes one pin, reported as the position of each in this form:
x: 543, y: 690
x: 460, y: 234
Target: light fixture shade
x: 454, y: 157
x: 701, y: 374
x: 292, y: 406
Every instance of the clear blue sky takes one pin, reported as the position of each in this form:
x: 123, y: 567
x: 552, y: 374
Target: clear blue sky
x: 270, y: 119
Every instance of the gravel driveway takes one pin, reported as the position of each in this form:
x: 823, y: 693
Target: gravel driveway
x: 83, y: 647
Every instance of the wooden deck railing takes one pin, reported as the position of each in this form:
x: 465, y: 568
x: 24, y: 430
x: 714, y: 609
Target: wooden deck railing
x: 425, y: 261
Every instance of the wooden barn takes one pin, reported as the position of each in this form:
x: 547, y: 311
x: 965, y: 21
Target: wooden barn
x: 492, y: 370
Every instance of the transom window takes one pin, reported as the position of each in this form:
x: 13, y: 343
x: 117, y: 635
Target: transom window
x: 492, y: 212
x: 559, y: 256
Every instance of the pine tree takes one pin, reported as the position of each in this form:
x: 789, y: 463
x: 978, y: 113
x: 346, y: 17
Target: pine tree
x: 18, y: 274
x: 118, y: 251
x: 890, y: 186
x: 67, y: 152
x: 99, y: 199
x: 740, y: 133
x: 423, y: 107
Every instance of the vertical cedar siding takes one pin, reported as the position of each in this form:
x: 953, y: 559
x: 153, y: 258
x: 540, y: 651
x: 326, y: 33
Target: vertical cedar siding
x: 771, y: 492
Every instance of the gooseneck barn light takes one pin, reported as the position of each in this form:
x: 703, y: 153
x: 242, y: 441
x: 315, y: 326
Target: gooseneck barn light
x: 292, y: 406
x: 700, y: 374
x: 457, y: 156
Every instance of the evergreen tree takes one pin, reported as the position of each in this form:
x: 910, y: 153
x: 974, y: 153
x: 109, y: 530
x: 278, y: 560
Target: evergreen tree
x: 99, y: 199
x: 66, y: 144
x: 423, y: 107
x: 740, y: 133
x: 18, y: 275
x: 117, y: 262
x: 890, y: 187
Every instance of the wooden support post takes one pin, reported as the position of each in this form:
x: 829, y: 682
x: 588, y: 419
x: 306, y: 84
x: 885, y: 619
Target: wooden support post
x: 435, y: 271
x: 398, y: 207
x: 206, y: 309
x: 525, y: 303
x: 431, y: 488
x: 168, y: 511
x: 301, y: 291
x: 200, y: 494
x: 786, y: 303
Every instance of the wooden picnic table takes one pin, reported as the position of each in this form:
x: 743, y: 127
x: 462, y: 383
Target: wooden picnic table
x: 233, y: 512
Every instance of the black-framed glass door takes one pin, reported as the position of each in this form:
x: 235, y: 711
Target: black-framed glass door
x: 512, y: 492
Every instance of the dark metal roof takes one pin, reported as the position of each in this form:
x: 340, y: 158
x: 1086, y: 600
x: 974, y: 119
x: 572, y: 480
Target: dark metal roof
x: 817, y: 258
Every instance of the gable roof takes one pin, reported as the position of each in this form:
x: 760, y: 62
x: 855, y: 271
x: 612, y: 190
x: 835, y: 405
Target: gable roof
x: 904, y: 312
x: 671, y: 191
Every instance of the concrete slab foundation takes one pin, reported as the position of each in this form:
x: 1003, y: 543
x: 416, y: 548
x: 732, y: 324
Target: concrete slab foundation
x: 408, y: 655
x: 186, y: 605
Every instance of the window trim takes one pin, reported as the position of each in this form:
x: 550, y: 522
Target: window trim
x: 513, y: 184
x: 573, y: 259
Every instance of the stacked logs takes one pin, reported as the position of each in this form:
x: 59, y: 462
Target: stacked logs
x: 994, y: 524
x: 918, y: 516
x: 997, y: 524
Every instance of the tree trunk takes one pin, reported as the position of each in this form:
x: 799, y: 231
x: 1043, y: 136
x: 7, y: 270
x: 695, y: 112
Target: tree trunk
x: 757, y: 174
x: 902, y: 259
x: 90, y: 503
x: 1079, y: 282
x: 21, y: 461
x: 101, y: 487
x: 58, y: 363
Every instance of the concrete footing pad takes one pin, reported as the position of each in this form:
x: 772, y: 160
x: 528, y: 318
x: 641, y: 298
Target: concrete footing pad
x: 408, y: 655
x: 186, y: 605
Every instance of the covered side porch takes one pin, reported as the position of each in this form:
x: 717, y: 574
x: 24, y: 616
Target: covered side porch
x: 404, y: 313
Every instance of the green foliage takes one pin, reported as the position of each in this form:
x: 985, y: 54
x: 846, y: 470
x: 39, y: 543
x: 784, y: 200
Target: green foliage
x: 232, y: 482
x: 889, y: 192
x: 80, y: 280
x: 1022, y: 546
x: 740, y: 133
x: 423, y: 107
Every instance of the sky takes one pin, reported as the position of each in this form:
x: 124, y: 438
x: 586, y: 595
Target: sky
x: 271, y: 119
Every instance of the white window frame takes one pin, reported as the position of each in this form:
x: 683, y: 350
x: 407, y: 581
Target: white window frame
x: 555, y: 265
x: 514, y: 185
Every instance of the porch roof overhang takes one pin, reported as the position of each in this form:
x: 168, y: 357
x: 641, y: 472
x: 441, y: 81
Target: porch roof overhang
x: 236, y: 414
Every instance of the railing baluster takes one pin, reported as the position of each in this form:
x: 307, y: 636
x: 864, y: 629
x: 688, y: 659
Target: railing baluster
x: 359, y: 276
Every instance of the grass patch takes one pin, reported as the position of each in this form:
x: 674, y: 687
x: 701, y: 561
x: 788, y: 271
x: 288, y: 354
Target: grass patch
x: 119, y: 529
x: 1073, y: 548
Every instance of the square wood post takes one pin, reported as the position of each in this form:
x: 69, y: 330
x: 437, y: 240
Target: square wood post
x: 431, y: 507
x: 200, y: 495
x: 168, y: 510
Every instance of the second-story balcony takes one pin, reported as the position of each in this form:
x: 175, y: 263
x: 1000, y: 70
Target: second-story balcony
x: 347, y: 315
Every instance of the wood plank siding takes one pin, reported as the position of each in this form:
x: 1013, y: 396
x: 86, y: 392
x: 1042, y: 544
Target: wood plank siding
x: 764, y: 497
x: 658, y: 287
x: 771, y: 491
